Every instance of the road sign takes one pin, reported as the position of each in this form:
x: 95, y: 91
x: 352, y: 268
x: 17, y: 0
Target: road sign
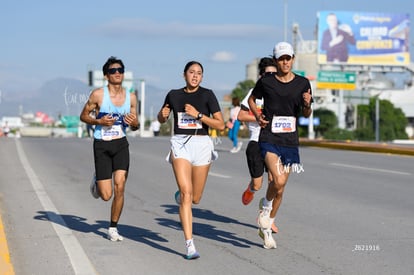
x: 300, y: 72
x: 336, y: 80
x: 304, y: 121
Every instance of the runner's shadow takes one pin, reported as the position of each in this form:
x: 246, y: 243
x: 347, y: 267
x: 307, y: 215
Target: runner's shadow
x: 99, y: 228
x: 207, y: 230
x: 206, y: 215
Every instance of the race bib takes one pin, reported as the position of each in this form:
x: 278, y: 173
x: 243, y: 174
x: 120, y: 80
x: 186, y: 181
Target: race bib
x: 283, y: 124
x: 112, y: 132
x: 186, y: 121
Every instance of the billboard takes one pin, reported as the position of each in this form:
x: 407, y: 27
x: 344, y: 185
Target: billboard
x: 361, y: 38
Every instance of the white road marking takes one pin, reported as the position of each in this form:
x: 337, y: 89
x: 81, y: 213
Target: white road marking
x: 80, y: 261
x: 371, y: 169
x: 219, y: 175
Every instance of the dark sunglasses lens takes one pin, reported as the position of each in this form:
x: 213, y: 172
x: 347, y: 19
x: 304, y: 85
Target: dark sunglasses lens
x: 285, y: 57
x: 114, y: 70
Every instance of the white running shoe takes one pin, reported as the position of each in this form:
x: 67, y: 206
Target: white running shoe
x: 94, y: 188
x: 261, y: 203
x: 266, y: 235
x: 275, y: 229
x: 239, y: 146
x: 113, y: 234
x: 264, y: 220
x: 191, y: 252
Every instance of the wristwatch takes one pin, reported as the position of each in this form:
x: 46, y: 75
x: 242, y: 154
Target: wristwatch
x: 199, y: 116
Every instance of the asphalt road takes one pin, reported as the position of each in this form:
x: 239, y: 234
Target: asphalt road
x: 344, y: 212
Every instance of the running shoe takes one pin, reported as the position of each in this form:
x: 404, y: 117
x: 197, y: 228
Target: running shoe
x: 239, y: 146
x: 177, y: 197
x: 261, y: 203
x: 266, y: 235
x: 113, y: 235
x: 263, y: 220
x: 275, y: 229
x: 191, y: 251
x: 94, y: 188
x: 192, y: 256
x: 247, y: 196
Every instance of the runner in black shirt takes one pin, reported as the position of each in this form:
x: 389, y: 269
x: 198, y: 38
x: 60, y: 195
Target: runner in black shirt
x: 195, y: 109
x: 285, y: 95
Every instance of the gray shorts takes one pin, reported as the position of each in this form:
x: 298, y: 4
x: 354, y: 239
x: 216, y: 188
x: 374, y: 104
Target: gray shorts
x: 198, y: 150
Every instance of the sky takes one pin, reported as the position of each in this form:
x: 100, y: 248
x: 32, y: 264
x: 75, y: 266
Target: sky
x: 48, y: 39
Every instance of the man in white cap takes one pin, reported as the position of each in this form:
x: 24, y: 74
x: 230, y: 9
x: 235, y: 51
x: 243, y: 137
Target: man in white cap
x: 286, y: 96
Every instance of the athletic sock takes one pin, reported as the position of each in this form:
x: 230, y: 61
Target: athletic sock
x: 190, y: 246
x: 113, y: 224
x: 267, y: 203
x: 189, y: 243
x: 251, y: 187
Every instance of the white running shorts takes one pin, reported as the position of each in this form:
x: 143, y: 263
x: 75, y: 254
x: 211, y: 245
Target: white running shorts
x: 198, y: 150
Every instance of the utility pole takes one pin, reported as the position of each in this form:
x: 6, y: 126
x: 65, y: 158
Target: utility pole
x: 142, y: 114
x: 285, y: 19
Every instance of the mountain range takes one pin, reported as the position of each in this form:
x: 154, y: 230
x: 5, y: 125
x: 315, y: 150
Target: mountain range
x: 66, y: 96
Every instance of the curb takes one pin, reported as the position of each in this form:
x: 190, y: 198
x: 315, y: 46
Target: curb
x: 6, y: 267
x: 384, y: 148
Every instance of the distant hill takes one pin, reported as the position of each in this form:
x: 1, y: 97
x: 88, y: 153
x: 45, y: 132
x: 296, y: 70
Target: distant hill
x: 58, y: 96
x: 66, y: 96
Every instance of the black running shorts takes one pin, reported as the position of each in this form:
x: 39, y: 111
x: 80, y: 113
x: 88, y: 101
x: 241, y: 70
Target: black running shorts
x: 110, y: 156
x: 255, y: 161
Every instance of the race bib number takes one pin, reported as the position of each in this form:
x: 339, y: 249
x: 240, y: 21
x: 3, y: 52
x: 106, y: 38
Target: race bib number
x: 112, y: 132
x: 186, y: 121
x: 283, y: 124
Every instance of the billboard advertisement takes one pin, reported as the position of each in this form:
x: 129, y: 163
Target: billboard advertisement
x: 361, y: 38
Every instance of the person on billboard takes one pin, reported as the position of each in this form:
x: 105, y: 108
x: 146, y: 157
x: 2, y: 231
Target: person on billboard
x: 335, y: 40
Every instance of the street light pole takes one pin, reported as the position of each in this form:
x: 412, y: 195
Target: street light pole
x: 142, y: 114
x: 285, y: 18
x: 377, y: 118
x: 378, y: 85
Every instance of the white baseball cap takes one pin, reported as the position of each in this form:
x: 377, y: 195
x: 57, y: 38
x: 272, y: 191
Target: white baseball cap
x: 283, y: 48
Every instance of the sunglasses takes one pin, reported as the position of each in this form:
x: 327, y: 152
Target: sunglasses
x: 284, y: 57
x: 114, y: 70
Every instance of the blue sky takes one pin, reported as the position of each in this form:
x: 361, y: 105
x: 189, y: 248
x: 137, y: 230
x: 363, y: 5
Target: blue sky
x: 47, y: 39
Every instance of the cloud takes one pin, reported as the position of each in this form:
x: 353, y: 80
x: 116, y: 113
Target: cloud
x: 144, y: 28
x: 223, y: 56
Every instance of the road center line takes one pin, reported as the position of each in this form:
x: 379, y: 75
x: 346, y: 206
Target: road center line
x: 80, y: 261
x: 371, y: 169
x: 219, y: 175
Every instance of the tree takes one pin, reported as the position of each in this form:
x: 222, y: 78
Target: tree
x: 242, y: 89
x: 365, y: 123
x: 392, y: 121
x: 327, y: 121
